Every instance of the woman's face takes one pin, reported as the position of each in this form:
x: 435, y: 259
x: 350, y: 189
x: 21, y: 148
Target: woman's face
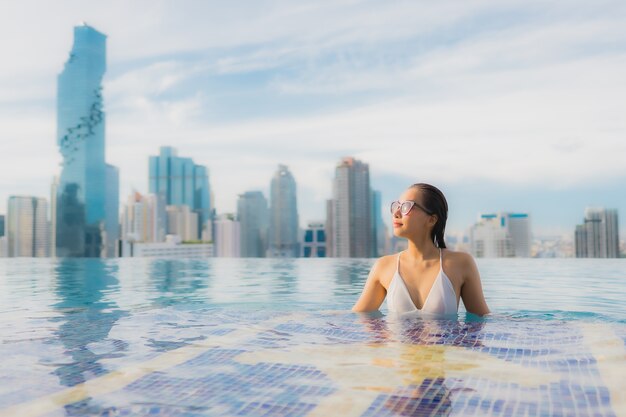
x: 416, y: 222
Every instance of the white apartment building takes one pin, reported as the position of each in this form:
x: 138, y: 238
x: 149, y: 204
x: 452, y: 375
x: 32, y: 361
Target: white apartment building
x: 227, y: 237
x: 27, y: 227
x: 501, y: 235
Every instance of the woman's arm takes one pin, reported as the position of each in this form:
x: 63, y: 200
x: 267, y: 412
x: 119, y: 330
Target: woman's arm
x: 472, y: 290
x: 373, y: 293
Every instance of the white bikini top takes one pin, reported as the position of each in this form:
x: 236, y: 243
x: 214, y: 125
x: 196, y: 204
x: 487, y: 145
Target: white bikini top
x: 440, y: 300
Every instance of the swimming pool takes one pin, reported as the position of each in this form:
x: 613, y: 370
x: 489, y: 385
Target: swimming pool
x: 253, y: 337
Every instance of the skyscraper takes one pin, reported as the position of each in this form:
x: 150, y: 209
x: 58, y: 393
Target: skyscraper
x: 87, y: 189
x: 253, y: 217
x: 144, y: 219
x: 181, y: 183
x: 598, y: 237
x: 283, y: 230
x: 227, y: 236
x: 501, y: 235
x: 351, y: 212
x: 183, y: 222
x: 380, y: 230
x: 27, y: 227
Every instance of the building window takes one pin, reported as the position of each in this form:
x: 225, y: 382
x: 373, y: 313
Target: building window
x: 307, y: 251
x: 321, y: 236
x: 321, y: 252
x: 308, y: 236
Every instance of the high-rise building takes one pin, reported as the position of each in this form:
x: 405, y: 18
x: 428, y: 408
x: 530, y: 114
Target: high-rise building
x: 380, y: 229
x: 351, y: 214
x: 598, y: 237
x: 183, y: 222
x: 84, y: 219
x: 54, y: 188
x: 144, y: 218
x: 1, y: 225
x: 181, y: 182
x: 283, y: 227
x: 330, y: 232
x: 501, y: 235
x: 27, y: 227
x: 314, y: 241
x: 112, y: 223
x: 227, y: 236
x: 253, y: 216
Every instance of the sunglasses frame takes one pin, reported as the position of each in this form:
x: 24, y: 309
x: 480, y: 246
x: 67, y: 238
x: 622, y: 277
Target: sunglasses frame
x: 412, y: 204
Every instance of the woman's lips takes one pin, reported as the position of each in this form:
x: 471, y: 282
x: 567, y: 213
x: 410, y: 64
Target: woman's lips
x: 395, y: 224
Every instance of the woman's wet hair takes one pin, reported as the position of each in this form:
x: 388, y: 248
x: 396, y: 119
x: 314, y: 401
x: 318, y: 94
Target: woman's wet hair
x: 435, y: 202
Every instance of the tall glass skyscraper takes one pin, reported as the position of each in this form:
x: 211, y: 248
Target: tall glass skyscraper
x: 88, y: 193
x: 350, y: 213
x: 253, y: 217
x: 181, y: 183
x: 283, y: 231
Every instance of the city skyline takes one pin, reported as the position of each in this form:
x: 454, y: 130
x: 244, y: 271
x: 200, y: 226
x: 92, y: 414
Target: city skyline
x: 515, y: 108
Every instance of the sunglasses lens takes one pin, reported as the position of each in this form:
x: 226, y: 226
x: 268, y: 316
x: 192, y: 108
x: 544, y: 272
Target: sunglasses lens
x: 406, y: 207
x: 394, y: 206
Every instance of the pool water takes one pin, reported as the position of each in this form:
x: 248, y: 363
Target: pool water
x: 262, y: 337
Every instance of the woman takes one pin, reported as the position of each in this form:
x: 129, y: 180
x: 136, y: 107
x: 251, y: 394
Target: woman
x: 426, y: 277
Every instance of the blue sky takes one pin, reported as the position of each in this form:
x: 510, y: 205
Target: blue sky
x: 515, y: 105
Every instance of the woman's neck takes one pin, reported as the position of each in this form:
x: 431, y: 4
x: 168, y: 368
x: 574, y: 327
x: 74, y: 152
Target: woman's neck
x: 422, y: 249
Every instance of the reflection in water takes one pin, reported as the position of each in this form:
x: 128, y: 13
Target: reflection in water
x: 179, y: 281
x: 87, y: 315
x: 284, y: 274
x: 351, y: 274
x: 422, y: 359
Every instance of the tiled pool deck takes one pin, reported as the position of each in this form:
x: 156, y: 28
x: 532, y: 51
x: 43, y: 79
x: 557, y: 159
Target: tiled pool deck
x: 216, y: 362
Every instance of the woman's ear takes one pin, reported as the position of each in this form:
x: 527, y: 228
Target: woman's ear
x: 432, y: 221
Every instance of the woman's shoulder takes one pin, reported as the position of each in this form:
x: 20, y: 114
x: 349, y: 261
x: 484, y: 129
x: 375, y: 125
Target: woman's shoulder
x: 458, y: 261
x: 383, y: 268
x: 385, y: 261
x: 457, y: 256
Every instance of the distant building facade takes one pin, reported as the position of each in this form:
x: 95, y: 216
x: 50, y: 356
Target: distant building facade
x: 144, y: 218
x: 350, y: 214
x: 181, y: 183
x: 253, y: 217
x: 501, y: 235
x: 283, y: 224
x: 173, y: 247
x: 27, y: 227
x: 598, y: 236
x: 86, y: 212
x: 227, y: 236
x: 314, y: 241
x: 380, y: 229
x: 183, y: 222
